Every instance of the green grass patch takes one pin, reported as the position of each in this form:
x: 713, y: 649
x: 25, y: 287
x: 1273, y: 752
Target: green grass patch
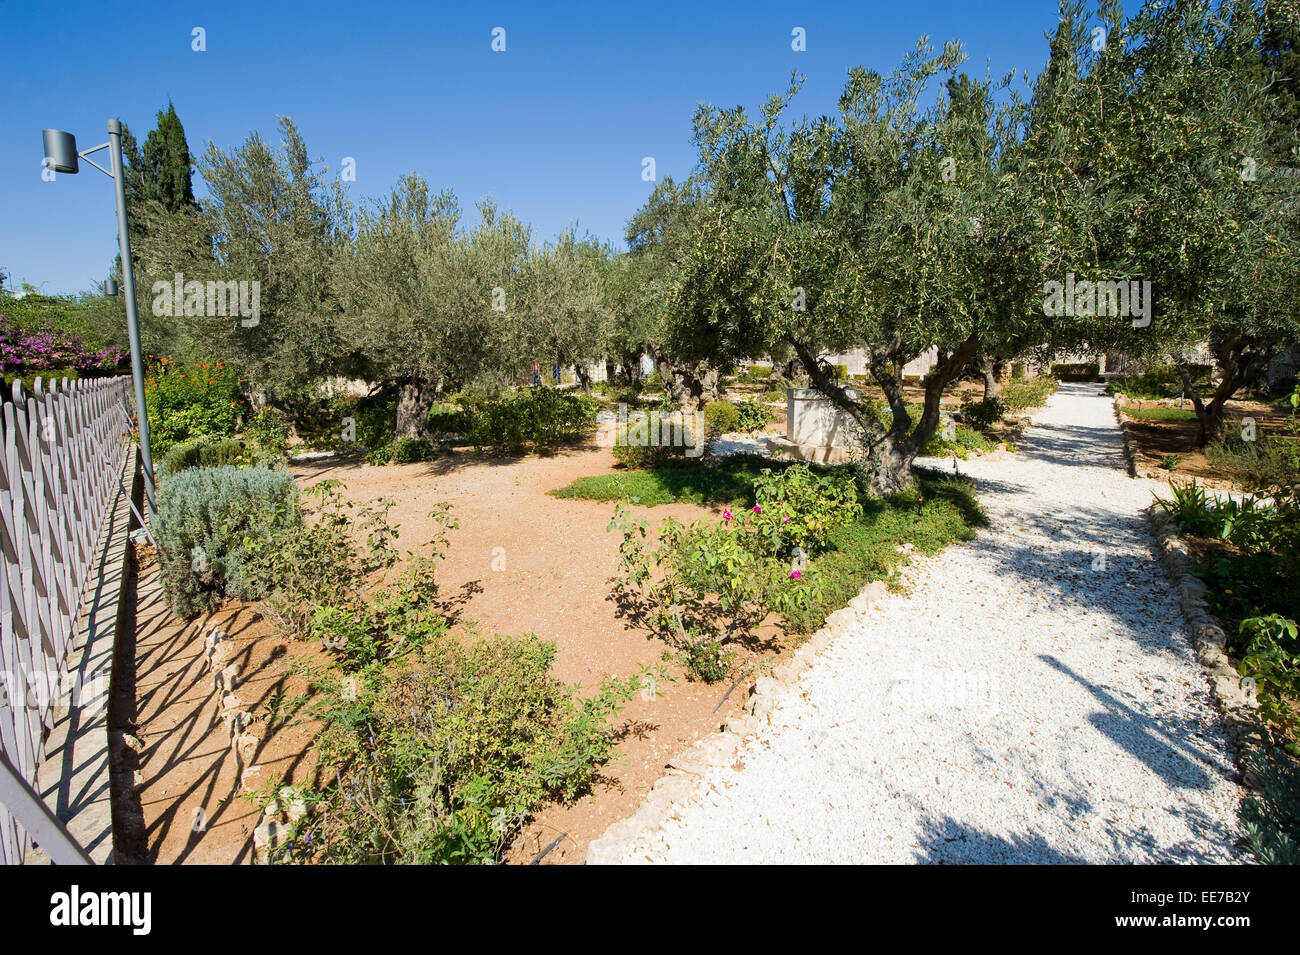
x: 729, y: 482
x: 1161, y: 414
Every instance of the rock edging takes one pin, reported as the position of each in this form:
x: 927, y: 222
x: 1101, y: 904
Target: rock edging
x: 1233, y: 696
x: 1130, y: 452
x: 681, y: 785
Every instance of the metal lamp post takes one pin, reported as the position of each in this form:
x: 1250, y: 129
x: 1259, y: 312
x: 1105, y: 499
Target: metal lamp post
x: 61, y: 156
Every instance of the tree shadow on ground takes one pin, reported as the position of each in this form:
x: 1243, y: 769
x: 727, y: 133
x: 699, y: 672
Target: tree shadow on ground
x: 1183, y: 761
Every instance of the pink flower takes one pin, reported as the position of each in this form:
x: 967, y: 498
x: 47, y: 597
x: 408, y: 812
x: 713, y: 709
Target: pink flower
x: 785, y: 520
x: 796, y: 575
x: 726, y: 514
x: 758, y: 508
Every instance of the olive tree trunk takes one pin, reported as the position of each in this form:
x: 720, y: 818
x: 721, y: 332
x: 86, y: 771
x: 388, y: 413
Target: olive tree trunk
x: 888, y: 452
x: 414, y: 399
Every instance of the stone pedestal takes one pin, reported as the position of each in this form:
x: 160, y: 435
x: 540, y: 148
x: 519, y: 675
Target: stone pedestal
x: 815, y: 429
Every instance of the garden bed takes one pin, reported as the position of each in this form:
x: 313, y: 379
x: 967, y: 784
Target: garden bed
x: 522, y: 560
x: 1163, y: 432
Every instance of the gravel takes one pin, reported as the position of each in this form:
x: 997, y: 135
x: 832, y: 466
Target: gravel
x: 1032, y: 698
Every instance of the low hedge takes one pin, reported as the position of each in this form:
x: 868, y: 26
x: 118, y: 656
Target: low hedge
x: 1090, y: 371
x: 204, y: 453
x: 528, y: 420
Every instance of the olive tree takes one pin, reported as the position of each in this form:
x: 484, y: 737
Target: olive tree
x: 890, y: 227
x: 1185, y: 198
x: 428, y: 302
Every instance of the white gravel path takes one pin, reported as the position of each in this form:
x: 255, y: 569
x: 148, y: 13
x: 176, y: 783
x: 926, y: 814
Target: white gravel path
x: 1022, y: 703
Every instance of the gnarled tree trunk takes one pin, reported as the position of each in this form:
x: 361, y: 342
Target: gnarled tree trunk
x: 414, y: 399
x: 691, y: 384
x: 1238, y: 360
x: 988, y: 370
x: 889, y: 453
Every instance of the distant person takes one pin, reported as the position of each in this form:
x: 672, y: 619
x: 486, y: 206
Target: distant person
x: 555, y: 372
x: 537, y: 373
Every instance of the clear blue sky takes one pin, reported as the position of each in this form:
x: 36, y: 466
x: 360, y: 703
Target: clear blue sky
x: 554, y: 128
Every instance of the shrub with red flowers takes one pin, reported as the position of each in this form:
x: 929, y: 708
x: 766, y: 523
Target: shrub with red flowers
x: 186, y: 402
x: 706, y: 588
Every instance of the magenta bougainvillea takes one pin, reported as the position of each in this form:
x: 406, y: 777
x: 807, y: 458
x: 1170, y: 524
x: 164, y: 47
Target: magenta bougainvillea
x: 36, y: 349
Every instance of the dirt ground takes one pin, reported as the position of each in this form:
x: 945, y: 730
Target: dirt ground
x: 1154, y: 440
x: 190, y: 794
x: 520, y: 561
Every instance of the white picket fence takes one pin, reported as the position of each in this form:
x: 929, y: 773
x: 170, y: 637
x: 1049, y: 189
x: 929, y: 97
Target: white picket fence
x: 63, y: 448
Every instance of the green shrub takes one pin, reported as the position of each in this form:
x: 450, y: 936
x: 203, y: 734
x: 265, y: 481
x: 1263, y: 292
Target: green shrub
x: 209, y: 520
x: 532, y: 419
x: 443, y: 759
x: 753, y: 416
x: 1159, y: 381
x: 1090, y: 371
x: 394, y: 623
x: 755, y: 374
x: 1270, y: 815
x: 721, y: 417
x: 642, y: 457
x: 1022, y: 394
x: 1017, y: 370
x: 403, y: 451
x: 658, y: 438
x: 447, y: 419
x: 375, y: 418
x: 840, y: 372
x: 205, y: 453
x: 704, y: 589
x: 200, y: 400
x: 801, y: 507
x: 325, y: 561
x: 270, y: 430
x: 983, y: 413
x: 1270, y: 655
